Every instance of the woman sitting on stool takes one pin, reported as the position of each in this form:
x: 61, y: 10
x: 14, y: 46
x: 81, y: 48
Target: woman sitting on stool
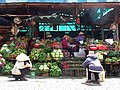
x: 21, y: 67
x: 93, y: 65
x: 66, y: 46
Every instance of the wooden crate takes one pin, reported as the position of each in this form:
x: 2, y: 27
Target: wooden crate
x: 75, y: 68
x: 73, y: 72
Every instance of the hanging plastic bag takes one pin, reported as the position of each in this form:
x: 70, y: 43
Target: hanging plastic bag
x: 81, y: 52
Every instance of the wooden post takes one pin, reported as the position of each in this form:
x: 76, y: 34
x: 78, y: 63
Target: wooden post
x: 116, y: 17
x: 102, y: 31
x: 92, y: 32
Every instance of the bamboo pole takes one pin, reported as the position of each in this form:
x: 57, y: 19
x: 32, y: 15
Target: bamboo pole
x: 116, y: 17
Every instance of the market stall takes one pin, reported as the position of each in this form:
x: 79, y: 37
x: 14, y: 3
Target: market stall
x: 46, y: 54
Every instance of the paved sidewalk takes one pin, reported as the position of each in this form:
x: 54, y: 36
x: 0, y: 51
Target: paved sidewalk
x: 6, y: 83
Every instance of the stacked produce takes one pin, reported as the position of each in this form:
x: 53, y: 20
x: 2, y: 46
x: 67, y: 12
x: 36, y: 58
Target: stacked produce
x: 5, y: 51
x: 99, y: 55
x: 5, y: 54
x: 49, y: 57
x: 55, y: 70
x: 11, y: 51
x: 7, y: 68
x: 113, y: 56
x: 36, y: 66
x: 65, y: 65
x: 95, y: 47
x: 57, y: 54
x: 44, y: 68
x: 37, y: 54
x: 112, y: 59
x: 49, y: 68
x: 15, y: 53
x: 21, y: 42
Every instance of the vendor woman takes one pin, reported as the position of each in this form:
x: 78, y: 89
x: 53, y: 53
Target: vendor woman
x: 80, y: 40
x: 21, y: 67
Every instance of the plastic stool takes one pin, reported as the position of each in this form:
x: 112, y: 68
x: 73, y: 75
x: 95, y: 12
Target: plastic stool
x: 65, y: 53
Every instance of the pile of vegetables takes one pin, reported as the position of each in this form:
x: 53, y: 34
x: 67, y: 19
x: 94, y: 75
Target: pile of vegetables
x: 21, y: 42
x: 49, y: 57
x: 99, y: 55
x: 65, y: 65
x: 113, y: 53
x: 47, y: 50
x: 36, y: 66
x: 47, y: 68
x: 15, y: 53
x: 11, y: 51
x: 37, y: 54
x: 113, y: 56
x: 8, y: 67
x: 57, y: 54
x: 55, y: 70
x: 44, y: 68
x: 5, y: 53
x: 112, y: 59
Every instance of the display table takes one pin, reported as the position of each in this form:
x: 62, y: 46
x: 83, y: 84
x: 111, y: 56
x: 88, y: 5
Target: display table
x: 113, y: 68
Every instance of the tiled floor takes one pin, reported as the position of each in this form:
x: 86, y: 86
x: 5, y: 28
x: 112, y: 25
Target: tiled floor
x: 42, y: 83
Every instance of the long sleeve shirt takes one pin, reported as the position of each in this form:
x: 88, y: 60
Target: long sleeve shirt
x: 20, y: 65
x: 92, y: 63
x: 65, y: 44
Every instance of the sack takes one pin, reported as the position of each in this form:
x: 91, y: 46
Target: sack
x: 82, y: 52
x: 16, y: 71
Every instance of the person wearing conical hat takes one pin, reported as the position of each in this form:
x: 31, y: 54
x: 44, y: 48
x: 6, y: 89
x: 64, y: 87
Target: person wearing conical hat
x: 49, y: 37
x: 66, y: 45
x: 21, y: 67
x: 80, y: 40
x: 80, y: 37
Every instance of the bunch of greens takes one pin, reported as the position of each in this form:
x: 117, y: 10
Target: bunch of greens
x: 55, y: 70
x: 37, y: 55
x: 5, y: 54
x: 113, y: 53
x: 36, y: 66
x: 17, y: 52
x: 8, y: 67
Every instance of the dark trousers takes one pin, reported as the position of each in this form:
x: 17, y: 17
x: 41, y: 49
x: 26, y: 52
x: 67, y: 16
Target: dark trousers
x: 70, y: 49
x: 95, y: 74
x: 24, y: 72
x: 1, y: 69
